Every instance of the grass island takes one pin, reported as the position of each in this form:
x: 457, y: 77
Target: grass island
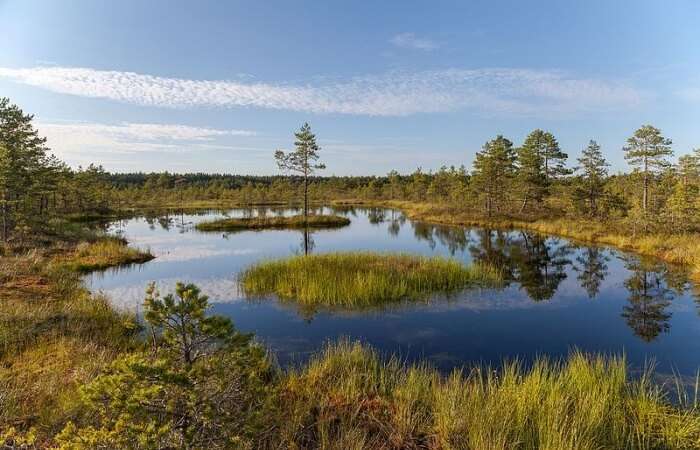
x: 362, y: 279
x: 277, y: 222
x: 105, y: 253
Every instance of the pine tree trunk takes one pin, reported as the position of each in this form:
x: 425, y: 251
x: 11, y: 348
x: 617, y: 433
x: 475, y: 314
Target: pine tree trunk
x: 306, y: 198
x: 4, y: 220
x: 646, y: 187
x: 522, y: 208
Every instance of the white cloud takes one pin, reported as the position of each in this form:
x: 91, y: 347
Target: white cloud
x: 80, y: 140
x: 411, y: 41
x: 485, y: 91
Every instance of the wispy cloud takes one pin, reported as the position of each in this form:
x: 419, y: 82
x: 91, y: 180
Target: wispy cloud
x: 411, y: 41
x: 77, y: 141
x: 485, y: 91
x: 691, y: 94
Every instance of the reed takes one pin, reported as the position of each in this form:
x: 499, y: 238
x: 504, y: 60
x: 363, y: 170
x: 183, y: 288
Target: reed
x: 348, y: 397
x: 274, y: 222
x: 362, y: 279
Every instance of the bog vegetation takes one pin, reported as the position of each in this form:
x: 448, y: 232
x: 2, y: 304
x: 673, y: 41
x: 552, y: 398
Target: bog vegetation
x: 276, y: 222
x: 359, y: 280
x: 76, y: 373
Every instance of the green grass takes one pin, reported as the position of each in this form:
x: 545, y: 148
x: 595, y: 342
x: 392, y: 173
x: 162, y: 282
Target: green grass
x: 361, y: 279
x: 276, y: 222
x: 348, y: 397
x: 105, y: 253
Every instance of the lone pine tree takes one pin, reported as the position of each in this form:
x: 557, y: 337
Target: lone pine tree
x: 303, y: 160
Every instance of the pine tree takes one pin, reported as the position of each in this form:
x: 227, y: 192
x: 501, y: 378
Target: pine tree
x: 688, y: 167
x: 493, y: 171
x: 303, y: 160
x: 23, y: 156
x: 530, y: 173
x: 594, y: 172
x: 648, y: 148
x: 681, y: 205
x: 394, y: 184
x: 202, y: 385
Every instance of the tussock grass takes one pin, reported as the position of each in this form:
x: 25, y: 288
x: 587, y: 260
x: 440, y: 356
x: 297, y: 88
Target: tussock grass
x: 347, y: 397
x: 276, y: 222
x: 105, y: 253
x: 362, y: 279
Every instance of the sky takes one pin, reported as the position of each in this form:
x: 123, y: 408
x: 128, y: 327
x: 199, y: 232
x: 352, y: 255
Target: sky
x: 213, y: 86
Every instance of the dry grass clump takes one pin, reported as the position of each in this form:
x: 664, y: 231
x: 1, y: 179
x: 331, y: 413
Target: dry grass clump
x: 276, y: 222
x: 362, y: 279
x: 105, y: 253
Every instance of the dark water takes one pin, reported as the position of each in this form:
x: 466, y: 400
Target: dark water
x: 560, y: 295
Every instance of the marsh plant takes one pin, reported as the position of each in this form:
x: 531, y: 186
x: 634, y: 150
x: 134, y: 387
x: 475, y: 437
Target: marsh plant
x: 349, y: 397
x: 297, y: 222
x: 362, y: 279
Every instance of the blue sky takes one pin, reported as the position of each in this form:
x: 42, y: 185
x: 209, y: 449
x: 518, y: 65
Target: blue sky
x: 218, y: 86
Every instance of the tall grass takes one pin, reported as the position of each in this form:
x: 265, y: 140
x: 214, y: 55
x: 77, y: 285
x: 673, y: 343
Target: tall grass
x: 105, y: 253
x: 275, y: 222
x: 362, y: 279
x: 347, y: 397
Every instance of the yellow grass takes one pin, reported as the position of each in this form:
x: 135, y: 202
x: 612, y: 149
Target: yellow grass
x: 105, y: 253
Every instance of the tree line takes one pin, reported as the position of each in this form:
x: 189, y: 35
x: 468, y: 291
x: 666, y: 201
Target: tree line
x: 533, y: 180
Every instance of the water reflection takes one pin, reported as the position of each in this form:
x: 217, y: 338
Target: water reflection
x: 536, y: 263
x: 644, y: 308
x: 649, y: 298
x: 539, y: 264
x: 592, y: 268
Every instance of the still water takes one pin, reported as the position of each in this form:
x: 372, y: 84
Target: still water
x: 560, y: 295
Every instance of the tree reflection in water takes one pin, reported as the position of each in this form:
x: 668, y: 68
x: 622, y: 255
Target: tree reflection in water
x: 648, y: 300
x: 492, y: 247
x: 307, y: 241
x: 592, y: 269
x: 539, y: 266
x: 376, y: 215
x: 396, y: 221
x: 455, y: 239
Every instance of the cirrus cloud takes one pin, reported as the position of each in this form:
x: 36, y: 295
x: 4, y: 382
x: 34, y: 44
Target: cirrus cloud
x: 78, y: 142
x: 411, y: 41
x: 485, y: 91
